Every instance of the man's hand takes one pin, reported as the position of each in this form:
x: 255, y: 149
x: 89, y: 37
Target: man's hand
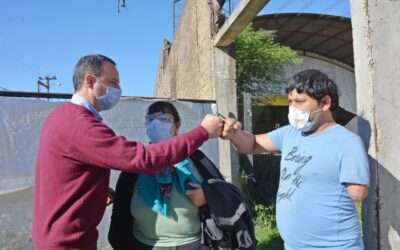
x: 196, y: 196
x: 231, y: 127
x: 110, y: 196
x: 213, y: 124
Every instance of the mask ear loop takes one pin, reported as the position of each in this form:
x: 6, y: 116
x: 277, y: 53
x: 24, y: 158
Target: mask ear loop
x: 321, y: 102
x: 319, y: 109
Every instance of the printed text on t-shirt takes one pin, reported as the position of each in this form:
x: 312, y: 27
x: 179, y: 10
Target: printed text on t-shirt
x: 293, y: 175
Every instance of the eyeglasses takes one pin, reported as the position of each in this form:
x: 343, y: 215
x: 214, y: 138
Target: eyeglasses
x: 161, y: 117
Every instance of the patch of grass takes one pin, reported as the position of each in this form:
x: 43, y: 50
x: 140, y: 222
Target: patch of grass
x: 262, y: 199
x: 268, y: 238
x: 358, y: 207
x: 267, y: 234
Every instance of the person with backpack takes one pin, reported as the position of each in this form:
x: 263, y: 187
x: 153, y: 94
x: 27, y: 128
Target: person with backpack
x: 76, y: 152
x: 169, y: 209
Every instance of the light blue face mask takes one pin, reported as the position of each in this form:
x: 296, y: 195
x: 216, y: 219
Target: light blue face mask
x: 158, y: 130
x: 109, y: 100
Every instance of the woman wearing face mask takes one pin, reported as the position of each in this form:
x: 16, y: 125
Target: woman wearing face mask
x: 169, y: 210
x: 163, y: 210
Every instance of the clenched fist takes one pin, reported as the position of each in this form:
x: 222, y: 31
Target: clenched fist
x: 213, y: 124
x: 231, y: 127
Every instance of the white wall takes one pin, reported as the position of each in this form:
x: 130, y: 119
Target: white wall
x: 341, y: 74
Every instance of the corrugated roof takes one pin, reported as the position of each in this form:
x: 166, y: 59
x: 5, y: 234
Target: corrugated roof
x: 329, y: 36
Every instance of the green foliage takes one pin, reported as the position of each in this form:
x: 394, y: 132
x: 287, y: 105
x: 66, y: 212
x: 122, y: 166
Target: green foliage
x: 263, y: 200
x: 267, y: 234
x: 260, y: 62
x: 265, y: 216
x: 243, y: 181
x: 358, y: 207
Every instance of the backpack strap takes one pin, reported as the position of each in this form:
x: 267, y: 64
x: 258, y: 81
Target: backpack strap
x: 205, y: 166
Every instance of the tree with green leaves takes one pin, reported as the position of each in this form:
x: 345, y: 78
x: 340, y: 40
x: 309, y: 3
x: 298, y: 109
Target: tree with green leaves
x: 260, y: 63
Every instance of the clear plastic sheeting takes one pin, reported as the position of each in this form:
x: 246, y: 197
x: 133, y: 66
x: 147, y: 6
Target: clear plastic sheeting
x: 20, y: 123
x: 21, y: 120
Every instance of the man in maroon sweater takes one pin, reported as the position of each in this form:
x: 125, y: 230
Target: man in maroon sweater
x: 76, y: 152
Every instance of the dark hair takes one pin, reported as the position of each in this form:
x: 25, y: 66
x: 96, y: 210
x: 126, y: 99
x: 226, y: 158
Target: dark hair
x: 165, y: 107
x: 90, y: 64
x: 316, y: 85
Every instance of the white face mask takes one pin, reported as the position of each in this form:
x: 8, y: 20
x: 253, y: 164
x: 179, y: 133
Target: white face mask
x: 300, y: 119
x: 109, y: 100
x: 158, y: 130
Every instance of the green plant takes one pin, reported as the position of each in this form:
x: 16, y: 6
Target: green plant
x: 264, y: 217
x: 260, y: 62
x: 267, y: 234
x: 358, y: 207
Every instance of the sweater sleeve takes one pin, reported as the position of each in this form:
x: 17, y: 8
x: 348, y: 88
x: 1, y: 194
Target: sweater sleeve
x: 93, y: 143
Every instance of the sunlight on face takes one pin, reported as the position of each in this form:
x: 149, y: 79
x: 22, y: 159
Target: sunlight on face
x: 302, y: 101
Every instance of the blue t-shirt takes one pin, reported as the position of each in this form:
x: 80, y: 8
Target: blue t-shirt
x: 314, y: 209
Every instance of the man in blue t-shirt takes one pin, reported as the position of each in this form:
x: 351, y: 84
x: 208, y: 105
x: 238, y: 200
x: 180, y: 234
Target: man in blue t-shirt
x: 324, y: 168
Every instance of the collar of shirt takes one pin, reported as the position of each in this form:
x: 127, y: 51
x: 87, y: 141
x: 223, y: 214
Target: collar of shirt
x: 78, y: 100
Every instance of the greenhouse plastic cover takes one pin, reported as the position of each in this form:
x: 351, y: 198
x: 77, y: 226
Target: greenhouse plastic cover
x: 21, y: 120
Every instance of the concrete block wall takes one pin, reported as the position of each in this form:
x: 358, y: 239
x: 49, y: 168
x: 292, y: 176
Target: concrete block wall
x: 186, y: 70
x: 376, y: 36
x: 163, y: 86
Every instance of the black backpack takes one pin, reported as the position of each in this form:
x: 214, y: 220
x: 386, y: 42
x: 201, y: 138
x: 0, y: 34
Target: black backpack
x: 120, y: 232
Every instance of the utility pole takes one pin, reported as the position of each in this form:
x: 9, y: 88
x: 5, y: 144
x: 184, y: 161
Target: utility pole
x: 46, y: 84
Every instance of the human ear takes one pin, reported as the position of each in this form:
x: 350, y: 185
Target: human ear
x: 326, y: 102
x: 89, y: 80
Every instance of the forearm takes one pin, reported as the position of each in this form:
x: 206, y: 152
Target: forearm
x: 100, y: 147
x: 244, y: 142
x: 167, y: 153
x: 357, y: 192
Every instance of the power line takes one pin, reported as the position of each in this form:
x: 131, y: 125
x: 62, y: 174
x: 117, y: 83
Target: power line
x: 307, y: 5
x: 347, y: 13
x: 332, y: 6
x: 19, y: 60
x: 284, y: 5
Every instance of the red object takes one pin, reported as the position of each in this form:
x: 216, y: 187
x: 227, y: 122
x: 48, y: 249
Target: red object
x: 75, y: 155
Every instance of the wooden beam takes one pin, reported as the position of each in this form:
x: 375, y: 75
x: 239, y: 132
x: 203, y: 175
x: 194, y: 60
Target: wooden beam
x: 242, y: 15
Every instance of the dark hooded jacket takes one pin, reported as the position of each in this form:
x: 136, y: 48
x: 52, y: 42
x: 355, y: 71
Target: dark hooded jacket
x: 225, y: 221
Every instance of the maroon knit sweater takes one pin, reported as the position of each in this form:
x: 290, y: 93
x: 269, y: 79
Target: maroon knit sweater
x: 75, y: 155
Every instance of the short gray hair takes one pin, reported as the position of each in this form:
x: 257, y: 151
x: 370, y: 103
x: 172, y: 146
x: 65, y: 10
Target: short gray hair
x: 90, y: 64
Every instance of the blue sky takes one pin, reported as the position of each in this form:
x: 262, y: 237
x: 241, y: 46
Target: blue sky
x: 44, y: 37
